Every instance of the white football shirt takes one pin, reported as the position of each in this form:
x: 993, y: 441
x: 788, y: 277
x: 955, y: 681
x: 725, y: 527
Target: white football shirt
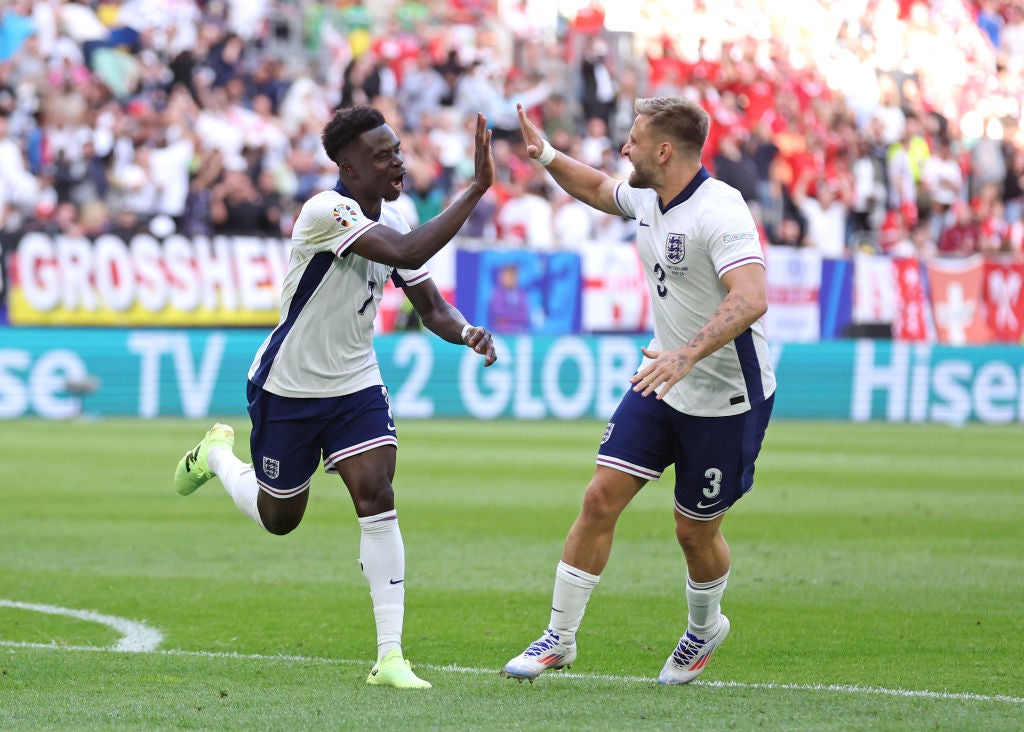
x: 685, y: 248
x: 322, y: 345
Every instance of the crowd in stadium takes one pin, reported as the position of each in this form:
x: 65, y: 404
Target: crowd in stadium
x: 886, y: 125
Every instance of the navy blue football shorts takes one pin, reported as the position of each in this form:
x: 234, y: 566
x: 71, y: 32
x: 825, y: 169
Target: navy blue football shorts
x: 290, y: 437
x: 713, y: 456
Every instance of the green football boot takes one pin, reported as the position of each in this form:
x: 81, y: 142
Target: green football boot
x: 194, y: 469
x: 393, y: 670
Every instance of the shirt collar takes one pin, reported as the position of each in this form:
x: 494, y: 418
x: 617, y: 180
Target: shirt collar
x: 689, y: 190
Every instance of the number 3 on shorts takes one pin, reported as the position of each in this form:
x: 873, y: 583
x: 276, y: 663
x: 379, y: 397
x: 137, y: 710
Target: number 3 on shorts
x: 714, y: 487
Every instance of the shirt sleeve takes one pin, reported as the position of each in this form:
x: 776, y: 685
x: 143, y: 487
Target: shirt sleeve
x: 624, y: 199
x: 732, y: 234
x: 410, y: 277
x: 337, y: 227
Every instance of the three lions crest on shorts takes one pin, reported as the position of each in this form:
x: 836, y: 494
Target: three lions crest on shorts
x: 271, y: 467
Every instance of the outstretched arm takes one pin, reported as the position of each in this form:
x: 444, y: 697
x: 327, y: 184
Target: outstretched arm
x: 444, y: 320
x: 746, y: 301
x: 577, y: 179
x: 411, y: 251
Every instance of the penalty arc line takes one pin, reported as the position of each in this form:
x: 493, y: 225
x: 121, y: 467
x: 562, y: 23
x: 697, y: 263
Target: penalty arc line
x: 767, y: 686
x: 135, y: 636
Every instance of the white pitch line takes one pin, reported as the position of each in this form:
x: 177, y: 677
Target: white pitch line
x: 135, y: 637
x: 450, y: 668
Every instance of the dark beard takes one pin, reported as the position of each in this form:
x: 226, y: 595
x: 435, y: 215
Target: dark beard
x: 638, y: 179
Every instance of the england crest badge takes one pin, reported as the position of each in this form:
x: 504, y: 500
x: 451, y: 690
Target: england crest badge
x: 675, y: 248
x: 271, y: 467
x: 607, y: 432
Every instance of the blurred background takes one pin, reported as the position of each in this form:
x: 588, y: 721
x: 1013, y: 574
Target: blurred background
x: 153, y: 156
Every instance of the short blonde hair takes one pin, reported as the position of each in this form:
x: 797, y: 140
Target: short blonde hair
x: 684, y: 121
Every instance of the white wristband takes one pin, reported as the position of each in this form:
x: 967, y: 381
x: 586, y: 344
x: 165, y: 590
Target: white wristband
x: 547, y: 154
x: 465, y: 329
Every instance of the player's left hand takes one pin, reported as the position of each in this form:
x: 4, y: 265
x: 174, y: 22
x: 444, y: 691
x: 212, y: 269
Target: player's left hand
x: 480, y: 340
x: 667, y: 368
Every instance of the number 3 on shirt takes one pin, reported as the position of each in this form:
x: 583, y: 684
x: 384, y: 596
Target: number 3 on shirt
x: 659, y: 272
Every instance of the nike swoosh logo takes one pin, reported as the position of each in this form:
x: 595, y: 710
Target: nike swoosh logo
x: 555, y: 609
x: 700, y: 504
x: 391, y: 428
x: 189, y: 459
x: 396, y: 582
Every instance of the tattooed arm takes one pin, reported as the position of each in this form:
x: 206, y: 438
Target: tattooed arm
x: 746, y: 301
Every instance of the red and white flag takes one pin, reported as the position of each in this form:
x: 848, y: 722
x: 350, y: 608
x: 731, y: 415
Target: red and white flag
x: 913, y: 316
x: 1004, y: 300
x: 957, y: 289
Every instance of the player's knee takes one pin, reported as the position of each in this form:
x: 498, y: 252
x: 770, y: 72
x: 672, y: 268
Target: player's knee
x: 280, y: 525
x: 598, y: 505
x: 280, y: 517
x: 371, y: 503
x: 696, y: 535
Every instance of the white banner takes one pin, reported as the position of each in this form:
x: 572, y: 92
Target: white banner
x: 794, y: 281
x: 875, y: 292
x: 615, y: 295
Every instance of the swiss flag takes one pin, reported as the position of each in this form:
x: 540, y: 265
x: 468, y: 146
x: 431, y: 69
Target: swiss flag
x: 957, y: 288
x: 1004, y: 299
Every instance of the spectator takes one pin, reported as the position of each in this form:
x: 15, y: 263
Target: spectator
x: 942, y: 185
x: 595, y: 144
x: 19, y: 189
x: 868, y: 173
x: 987, y: 164
x: 572, y: 221
x: 421, y: 89
x: 990, y: 21
x: 964, y: 236
x: 556, y: 118
x: 525, y: 218
x: 16, y: 27
x: 367, y: 78
x: 236, y: 205
x: 824, y: 210
x: 1013, y: 183
x: 424, y: 190
x: 1011, y: 38
x: 598, y: 92
x: 918, y: 243
x: 735, y: 165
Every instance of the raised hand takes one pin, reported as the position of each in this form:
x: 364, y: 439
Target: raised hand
x: 531, y: 135
x: 484, y: 159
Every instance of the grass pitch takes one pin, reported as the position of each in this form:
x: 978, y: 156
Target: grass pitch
x: 877, y: 583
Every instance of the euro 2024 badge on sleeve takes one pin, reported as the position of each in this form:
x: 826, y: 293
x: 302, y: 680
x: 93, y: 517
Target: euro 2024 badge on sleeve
x: 345, y: 215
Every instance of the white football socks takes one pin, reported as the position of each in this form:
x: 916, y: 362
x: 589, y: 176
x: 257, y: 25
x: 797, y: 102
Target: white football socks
x: 569, y: 600
x: 239, y: 481
x: 382, y: 558
x: 704, y: 605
